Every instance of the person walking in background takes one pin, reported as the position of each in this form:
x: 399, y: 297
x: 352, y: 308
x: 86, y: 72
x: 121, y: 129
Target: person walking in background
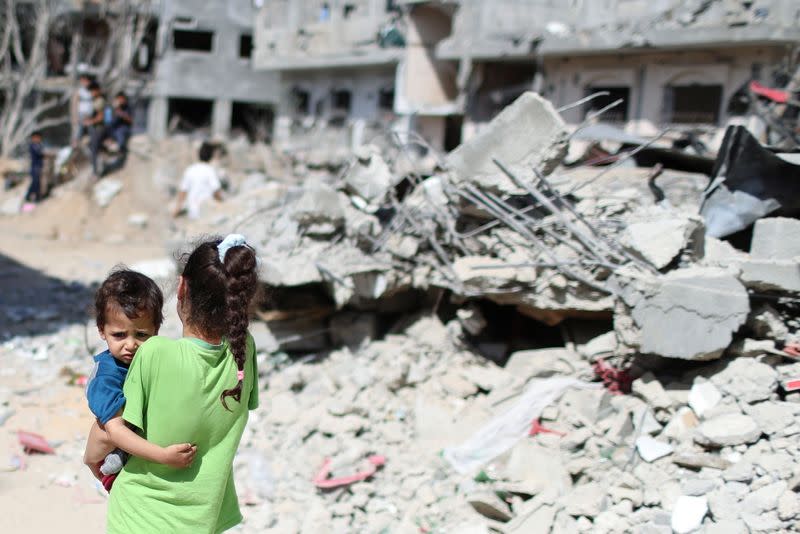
x: 197, y: 389
x: 200, y: 182
x: 34, y: 193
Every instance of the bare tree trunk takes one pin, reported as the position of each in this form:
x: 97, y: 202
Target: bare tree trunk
x: 23, y: 65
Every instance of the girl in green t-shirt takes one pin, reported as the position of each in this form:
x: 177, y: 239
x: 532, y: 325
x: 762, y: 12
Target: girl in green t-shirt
x: 197, y: 389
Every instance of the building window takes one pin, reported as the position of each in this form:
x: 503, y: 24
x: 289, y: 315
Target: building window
x: 618, y: 113
x: 386, y: 99
x: 198, y: 41
x: 692, y: 104
x: 300, y: 101
x: 348, y: 10
x: 188, y: 114
x: 245, y: 45
x: 341, y: 100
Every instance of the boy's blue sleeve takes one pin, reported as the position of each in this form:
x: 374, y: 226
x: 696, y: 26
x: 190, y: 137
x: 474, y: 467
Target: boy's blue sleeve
x: 105, y: 395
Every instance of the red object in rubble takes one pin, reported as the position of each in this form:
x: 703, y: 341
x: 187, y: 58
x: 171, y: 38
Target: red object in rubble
x: 776, y: 95
x: 34, y: 443
x: 537, y: 428
x: 322, y: 481
x: 617, y: 381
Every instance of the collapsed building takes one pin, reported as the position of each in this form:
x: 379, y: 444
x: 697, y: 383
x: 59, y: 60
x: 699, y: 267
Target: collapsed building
x: 444, y: 69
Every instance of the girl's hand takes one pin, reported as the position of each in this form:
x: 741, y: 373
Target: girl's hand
x: 180, y: 455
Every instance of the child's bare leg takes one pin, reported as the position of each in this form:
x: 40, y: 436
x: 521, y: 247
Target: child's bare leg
x: 97, y: 448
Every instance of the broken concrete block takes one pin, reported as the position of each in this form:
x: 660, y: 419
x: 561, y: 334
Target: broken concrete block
x: 471, y: 319
x: 788, y: 506
x: 542, y: 363
x: 533, y: 469
x: 771, y: 275
x: 726, y: 526
x: 700, y: 460
x: 587, y: 500
x: 319, y: 203
x: 659, y: 235
x: 747, y: 380
x: 369, y: 176
x: 649, y: 388
x: 681, y: 425
x: 773, y: 417
x: 703, y: 396
x: 728, y: 429
x: 601, y: 346
x: 688, y: 513
x: 652, y: 449
x: 705, y: 305
x: 527, y: 134
x: 775, y: 238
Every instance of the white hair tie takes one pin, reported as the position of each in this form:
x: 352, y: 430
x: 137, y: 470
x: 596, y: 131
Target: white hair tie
x: 230, y: 241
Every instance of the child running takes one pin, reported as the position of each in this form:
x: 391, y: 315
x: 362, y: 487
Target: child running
x: 128, y: 312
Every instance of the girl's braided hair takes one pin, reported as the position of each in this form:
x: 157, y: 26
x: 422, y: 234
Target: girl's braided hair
x: 219, y: 296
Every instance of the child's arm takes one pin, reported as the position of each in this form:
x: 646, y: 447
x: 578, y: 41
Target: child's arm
x: 178, y: 456
x: 97, y: 447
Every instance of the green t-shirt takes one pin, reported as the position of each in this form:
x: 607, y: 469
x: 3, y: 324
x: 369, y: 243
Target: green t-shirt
x: 172, y: 394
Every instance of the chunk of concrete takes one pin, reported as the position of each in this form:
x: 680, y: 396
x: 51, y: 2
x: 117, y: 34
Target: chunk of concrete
x: 527, y: 134
x: 651, y: 449
x: 771, y: 275
x: 702, y: 306
x: 703, y: 396
x: 775, y: 238
x: 319, y: 203
x: 658, y: 234
x: 587, y: 500
x: 688, y: 513
x: 747, y: 380
x: 728, y: 429
x: 369, y: 176
x: 650, y: 389
x: 766, y: 323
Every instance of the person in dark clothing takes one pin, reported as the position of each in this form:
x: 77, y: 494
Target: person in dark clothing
x: 120, y: 131
x: 96, y: 125
x: 36, y: 150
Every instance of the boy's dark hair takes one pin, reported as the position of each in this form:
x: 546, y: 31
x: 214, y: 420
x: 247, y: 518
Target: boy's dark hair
x: 36, y: 133
x: 133, y: 292
x: 206, y: 152
x: 219, y: 297
x: 94, y: 86
x: 121, y: 95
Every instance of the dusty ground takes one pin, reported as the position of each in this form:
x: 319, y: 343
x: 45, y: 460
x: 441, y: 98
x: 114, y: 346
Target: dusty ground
x: 53, y: 493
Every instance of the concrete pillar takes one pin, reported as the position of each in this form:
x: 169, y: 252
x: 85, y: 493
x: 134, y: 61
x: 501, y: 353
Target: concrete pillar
x: 157, y: 117
x: 221, y: 118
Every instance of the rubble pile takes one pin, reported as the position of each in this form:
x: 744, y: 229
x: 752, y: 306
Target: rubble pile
x: 382, y: 280
x: 659, y: 392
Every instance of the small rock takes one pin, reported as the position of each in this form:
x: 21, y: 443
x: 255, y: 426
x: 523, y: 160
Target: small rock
x: 728, y: 429
x: 682, y: 424
x: 587, y: 500
x: 688, y: 513
x: 651, y: 449
x: 697, y: 487
x: 703, y: 396
x: 490, y: 505
x: 650, y: 389
x: 726, y: 526
x: 748, y: 380
x: 700, y: 460
x: 788, y: 506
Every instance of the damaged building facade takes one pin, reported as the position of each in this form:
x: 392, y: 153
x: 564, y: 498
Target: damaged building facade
x: 444, y: 69
x: 203, y: 77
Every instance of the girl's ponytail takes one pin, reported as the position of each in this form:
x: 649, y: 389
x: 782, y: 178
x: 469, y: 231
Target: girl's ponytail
x: 239, y: 265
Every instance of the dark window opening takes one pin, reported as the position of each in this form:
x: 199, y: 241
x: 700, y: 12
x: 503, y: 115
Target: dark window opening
x: 340, y: 99
x: 300, y: 101
x: 245, y: 45
x: 348, y: 10
x: 692, y: 104
x: 254, y: 120
x: 452, y: 131
x: 386, y: 99
x: 144, y: 58
x: 618, y: 113
x: 198, y: 41
x: 185, y: 115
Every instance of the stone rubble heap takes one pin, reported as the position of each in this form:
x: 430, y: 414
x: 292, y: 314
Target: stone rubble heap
x: 377, y: 284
